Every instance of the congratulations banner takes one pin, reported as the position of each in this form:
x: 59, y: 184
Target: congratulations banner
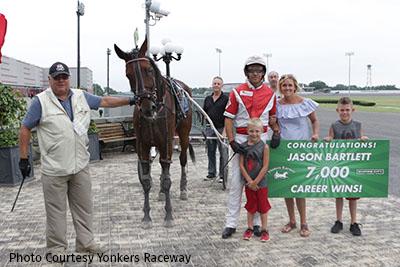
x: 339, y: 168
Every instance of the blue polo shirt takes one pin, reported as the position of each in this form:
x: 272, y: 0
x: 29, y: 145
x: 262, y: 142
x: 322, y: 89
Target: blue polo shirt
x: 34, y: 113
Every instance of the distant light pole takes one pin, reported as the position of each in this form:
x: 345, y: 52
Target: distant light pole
x: 79, y: 12
x: 267, y: 56
x: 219, y: 51
x: 369, y: 77
x: 166, y: 53
x: 108, y: 70
x: 349, y: 54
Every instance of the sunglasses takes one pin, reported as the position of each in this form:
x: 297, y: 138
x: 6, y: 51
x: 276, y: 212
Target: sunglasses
x: 61, y: 77
x: 255, y: 70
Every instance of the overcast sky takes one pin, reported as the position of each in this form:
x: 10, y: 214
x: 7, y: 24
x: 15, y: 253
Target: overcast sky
x: 307, y: 38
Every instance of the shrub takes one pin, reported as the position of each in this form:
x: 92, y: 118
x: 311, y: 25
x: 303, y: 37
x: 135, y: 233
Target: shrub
x: 355, y: 102
x: 93, y: 127
x: 12, y: 112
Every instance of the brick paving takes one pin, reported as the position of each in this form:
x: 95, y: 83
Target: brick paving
x: 118, y: 203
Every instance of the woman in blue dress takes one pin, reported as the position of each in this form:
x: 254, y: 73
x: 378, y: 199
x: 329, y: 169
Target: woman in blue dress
x: 293, y: 113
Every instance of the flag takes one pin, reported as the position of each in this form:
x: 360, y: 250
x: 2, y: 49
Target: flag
x: 3, y: 29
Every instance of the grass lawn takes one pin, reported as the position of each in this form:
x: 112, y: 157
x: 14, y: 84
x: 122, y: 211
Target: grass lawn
x: 390, y: 104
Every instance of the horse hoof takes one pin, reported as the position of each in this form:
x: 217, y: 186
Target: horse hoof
x: 184, y: 195
x: 168, y: 223
x: 161, y: 196
x: 147, y: 224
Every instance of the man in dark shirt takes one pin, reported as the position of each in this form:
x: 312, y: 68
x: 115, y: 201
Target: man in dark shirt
x: 214, y: 105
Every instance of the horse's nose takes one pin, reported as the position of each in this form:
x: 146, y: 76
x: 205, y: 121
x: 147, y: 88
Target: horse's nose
x: 153, y: 107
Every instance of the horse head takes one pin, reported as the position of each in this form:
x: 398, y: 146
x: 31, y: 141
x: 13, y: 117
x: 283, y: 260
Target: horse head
x: 144, y: 78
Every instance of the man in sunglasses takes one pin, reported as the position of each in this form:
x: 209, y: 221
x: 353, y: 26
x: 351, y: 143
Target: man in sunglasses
x: 61, y: 116
x: 250, y: 99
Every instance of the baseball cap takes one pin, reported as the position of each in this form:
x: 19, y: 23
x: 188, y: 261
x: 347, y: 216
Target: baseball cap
x: 58, y: 68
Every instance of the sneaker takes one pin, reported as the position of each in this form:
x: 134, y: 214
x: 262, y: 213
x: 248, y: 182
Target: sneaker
x: 209, y: 177
x: 176, y: 148
x: 264, y: 236
x: 220, y: 180
x: 337, y: 227
x: 247, y: 234
x: 355, y: 229
x: 257, y: 230
x: 95, y: 248
x: 228, y: 232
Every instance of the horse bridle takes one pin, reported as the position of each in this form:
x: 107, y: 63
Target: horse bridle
x: 139, y: 96
x: 144, y: 94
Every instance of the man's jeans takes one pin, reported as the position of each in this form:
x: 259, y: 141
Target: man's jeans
x: 212, y: 145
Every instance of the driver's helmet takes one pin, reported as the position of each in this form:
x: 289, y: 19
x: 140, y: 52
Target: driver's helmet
x: 255, y: 60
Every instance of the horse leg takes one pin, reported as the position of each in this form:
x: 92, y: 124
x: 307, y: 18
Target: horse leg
x: 184, y: 195
x: 183, y: 161
x: 161, y: 194
x: 145, y: 180
x: 166, y: 185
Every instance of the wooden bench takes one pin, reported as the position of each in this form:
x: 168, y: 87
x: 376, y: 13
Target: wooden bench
x: 116, y: 132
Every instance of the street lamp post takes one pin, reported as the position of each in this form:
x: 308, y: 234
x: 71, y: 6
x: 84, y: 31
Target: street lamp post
x: 79, y: 12
x: 156, y: 14
x: 108, y: 70
x: 166, y: 53
x: 219, y: 51
x: 349, y: 54
x: 147, y: 22
x: 267, y: 56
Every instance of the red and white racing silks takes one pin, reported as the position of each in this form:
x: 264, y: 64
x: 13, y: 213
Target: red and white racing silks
x: 245, y: 103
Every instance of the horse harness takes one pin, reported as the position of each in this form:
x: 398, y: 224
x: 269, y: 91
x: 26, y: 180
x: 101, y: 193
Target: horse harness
x: 175, y: 89
x: 152, y: 95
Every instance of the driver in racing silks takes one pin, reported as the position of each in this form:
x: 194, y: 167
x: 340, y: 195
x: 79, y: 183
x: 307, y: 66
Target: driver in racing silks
x: 250, y: 99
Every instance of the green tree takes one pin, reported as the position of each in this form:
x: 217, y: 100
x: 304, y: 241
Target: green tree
x: 340, y: 87
x: 98, y: 90
x: 110, y: 91
x: 318, y: 85
x: 385, y: 87
x: 201, y: 90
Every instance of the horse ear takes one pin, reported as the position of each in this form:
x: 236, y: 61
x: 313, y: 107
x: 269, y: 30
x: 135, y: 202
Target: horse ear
x: 121, y: 54
x: 143, y: 48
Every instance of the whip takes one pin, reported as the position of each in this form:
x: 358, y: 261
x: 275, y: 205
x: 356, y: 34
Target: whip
x: 219, y: 136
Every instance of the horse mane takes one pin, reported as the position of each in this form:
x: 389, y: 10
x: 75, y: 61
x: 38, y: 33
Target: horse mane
x: 160, y: 80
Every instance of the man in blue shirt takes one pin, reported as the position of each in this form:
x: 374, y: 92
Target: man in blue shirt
x: 61, y: 116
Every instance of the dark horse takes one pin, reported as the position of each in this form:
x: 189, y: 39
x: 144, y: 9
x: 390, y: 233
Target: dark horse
x: 155, y: 122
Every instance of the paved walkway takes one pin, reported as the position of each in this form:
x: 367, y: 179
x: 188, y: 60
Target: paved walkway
x: 118, y: 201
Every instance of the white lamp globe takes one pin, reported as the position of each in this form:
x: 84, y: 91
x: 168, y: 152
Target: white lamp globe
x: 162, y: 51
x: 169, y: 47
x: 165, y: 40
x: 178, y: 49
x: 154, y: 50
